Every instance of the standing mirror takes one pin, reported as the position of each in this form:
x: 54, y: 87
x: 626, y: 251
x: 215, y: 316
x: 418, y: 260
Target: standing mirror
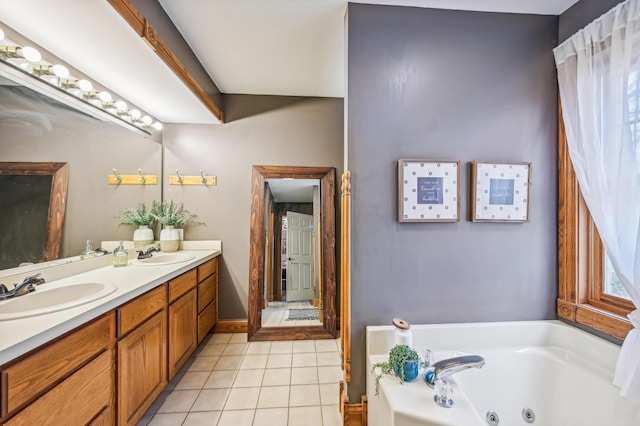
x: 293, y: 242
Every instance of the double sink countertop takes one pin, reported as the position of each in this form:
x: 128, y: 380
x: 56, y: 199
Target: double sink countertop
x: 19, y: 336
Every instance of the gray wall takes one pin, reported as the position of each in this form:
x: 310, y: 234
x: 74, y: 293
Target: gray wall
x: 581, y: 14
x: 439, y: 84
x: 35, y: 128
x: 261, y: 130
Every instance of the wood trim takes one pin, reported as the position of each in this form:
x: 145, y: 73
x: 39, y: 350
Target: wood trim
x: 145, y: 30
x: 256, y: 253
x: 601, y: 320
x: 271, y: 237
x: 232, y: 326
x: 57, y: 202
x: 352, y: 414
x: 345, y: 276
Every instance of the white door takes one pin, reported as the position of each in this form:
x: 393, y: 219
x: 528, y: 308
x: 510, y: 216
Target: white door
x: 299, y: 271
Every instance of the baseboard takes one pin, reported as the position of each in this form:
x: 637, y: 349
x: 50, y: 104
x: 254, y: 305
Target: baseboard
x: 232, y: 326
x: 352, y: 414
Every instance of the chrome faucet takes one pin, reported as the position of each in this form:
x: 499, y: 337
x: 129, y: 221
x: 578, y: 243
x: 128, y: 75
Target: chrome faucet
x: 443, y: 369
x: 28, y: 285
x: 148, y: 253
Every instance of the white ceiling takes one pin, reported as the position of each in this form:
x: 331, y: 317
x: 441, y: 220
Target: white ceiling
x: 292, y: 190
x: 265, y: 47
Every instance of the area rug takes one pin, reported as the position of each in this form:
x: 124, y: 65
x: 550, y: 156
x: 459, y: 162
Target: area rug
x: 303, y: 314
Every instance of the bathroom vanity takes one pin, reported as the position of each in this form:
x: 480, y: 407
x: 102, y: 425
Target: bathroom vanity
x: 106, y: 361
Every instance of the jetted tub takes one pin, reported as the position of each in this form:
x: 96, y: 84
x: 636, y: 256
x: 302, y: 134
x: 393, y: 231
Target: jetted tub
x: 548, y: 371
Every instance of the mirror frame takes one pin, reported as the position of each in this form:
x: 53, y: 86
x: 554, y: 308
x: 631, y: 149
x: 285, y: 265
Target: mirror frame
x: 57, y: 201
x: 255, y: 331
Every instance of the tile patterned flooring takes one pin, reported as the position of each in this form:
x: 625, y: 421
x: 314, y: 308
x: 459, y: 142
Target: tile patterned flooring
x: 276, y: 314
x: 228, y: 381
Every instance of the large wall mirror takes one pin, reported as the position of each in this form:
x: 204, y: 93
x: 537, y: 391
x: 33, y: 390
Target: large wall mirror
x: 292, y: 275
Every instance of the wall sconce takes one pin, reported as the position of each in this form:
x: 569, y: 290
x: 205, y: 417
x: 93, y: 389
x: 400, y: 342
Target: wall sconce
x: 28, y: 59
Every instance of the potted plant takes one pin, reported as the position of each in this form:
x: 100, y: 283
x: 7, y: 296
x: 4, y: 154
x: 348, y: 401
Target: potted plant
x: 141, y: 217
x: 403, y: 361
x: 171, y: 215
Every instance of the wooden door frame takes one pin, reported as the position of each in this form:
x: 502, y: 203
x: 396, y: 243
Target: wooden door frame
x: 327, y: 178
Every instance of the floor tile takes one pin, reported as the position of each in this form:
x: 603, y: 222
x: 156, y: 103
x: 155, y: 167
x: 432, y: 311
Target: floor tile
x: 235, y: 349
x: 279, y: 360
x: 330, y: 374
x: 229, y: 362
x: 221, y: 379
x: 242, y: 399
x: 304, y: 360
x: 238, y: 338
x: 328, y: 358
x: 254, y: 361
x: 304, y: 395
x: 211, y: 400
x: 285, y: 347
x: 276, y: 377
x: 258, y: 348
x: 178, y: 401
x: 236, y: 418
x: 248, y: 378
x: 305, y: 416
x: 202, y: 418
x: 220, y: 338
x: 212, y: 349
x: 271, y: 417
x: 331, y: 416
x: 169, y: 419
x: 329, y: 394
x: 192, y: 380
x: 273, y: 396
x: 304, y: 376
x: 203, y: 363
x: 304, y: 346
x: 326, y: 346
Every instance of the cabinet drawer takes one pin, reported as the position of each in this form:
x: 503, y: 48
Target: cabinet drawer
x: 206, y: 292
x: 180, y: 285
x: 31, y: 376
x: 210, y: 267
x: 137, y: 311
x: 206, y: 320
x: 75, y: 401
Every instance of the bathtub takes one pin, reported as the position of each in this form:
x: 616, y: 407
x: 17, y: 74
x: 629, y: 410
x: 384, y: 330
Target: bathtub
x: 560, y: 374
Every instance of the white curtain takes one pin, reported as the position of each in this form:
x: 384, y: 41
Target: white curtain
x: 599, y: 80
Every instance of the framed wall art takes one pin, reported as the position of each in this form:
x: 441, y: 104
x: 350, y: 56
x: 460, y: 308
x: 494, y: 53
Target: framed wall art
x: 428, y: 191
x: 500, y: 192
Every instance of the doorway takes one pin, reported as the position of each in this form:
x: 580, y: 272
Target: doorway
x: 315, y: 270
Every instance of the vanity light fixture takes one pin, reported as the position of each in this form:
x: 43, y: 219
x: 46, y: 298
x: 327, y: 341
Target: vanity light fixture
x: 29, y: 60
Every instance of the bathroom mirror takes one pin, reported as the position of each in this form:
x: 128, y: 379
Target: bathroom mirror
x: 32, y: 208
x: 34, y: 128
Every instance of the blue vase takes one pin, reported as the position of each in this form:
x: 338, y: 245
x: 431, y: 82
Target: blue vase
x: 410, y: 370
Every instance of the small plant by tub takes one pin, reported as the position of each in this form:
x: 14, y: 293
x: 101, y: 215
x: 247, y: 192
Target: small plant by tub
x: 403, y: 361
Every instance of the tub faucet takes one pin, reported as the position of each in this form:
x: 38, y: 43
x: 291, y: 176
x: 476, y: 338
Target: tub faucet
x: 28, y: 285
x: 443, y: 369
x: 147, y: 254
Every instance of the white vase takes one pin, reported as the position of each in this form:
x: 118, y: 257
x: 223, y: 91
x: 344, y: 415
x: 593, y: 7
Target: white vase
x: 142, y: 236
x: 169, y: 239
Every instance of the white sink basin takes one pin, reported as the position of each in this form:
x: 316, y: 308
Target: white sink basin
x: 164, y: 259
x: 44, y: 301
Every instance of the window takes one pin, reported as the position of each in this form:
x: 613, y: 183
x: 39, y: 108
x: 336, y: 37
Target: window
x: 589, y: 291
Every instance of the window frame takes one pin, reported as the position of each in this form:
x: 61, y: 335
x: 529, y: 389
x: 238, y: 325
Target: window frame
x: 581, y: 258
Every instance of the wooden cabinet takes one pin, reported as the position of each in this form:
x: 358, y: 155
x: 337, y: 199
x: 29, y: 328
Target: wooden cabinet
x: 142, y: 354
x: 207, y: 297
x: 182, y: 331
x: 75, y: 369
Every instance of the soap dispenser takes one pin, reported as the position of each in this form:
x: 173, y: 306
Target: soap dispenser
x: 120, y: 256
x: 88, y: 251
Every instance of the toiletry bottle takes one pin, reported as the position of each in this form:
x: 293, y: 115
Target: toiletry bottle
x: 120, y: 256
x: 88, y: 251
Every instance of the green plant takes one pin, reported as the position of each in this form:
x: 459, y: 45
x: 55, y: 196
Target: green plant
x: 398, y: 354
x: 173, y: 214
x: 139, y: 215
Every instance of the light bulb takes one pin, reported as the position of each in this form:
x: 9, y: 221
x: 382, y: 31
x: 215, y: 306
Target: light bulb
x: 134, y: 113
x: 121, y: 106
x: 146, y: 120
x: 30, y: 54
x: 157, y: 125
x: 85, y: 85
x: 60, y: 71
x: 104, y: 97
x: 1, y: 34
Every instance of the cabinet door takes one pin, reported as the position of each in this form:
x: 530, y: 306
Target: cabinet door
x: 142, y: 368
x: 182, y: 330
